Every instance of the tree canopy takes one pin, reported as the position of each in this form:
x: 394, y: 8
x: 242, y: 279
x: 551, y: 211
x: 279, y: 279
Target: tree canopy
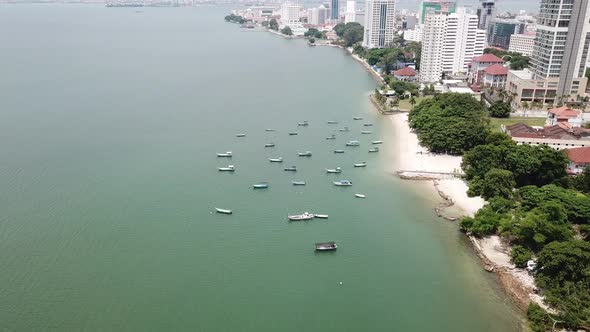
x: 287, y: 31
x: 235, y: 19
x: 517, y: 60
x: 313, y: 32
x: 350, y: 33
x: 450, y: 123
x: 273, y: 25
x: 500, y: 109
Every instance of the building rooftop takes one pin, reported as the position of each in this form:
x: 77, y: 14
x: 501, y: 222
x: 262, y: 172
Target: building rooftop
x: 564, y: 112
x: 496, y: 69
x: 579, y: 155
x: 407, y: 71
x: 559, y: 131
x: 488, y: 58
x: 524, y: 74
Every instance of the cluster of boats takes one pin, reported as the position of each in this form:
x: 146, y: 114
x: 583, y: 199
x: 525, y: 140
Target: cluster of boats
x: 322, y: 246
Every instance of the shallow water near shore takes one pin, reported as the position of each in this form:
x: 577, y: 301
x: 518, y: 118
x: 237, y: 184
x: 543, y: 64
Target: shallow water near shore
x: 111, y: 120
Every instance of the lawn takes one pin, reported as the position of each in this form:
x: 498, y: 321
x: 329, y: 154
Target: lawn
x: 404, y: 104
x: 495, y: 123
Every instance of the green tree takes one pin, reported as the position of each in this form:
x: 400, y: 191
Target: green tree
x: 312, y: 40
x: 539, y: 319
x: 413, y: 101
x: 339, y: 29
x: 287, y: 31
x: 582, y: 181
x: 353, y: 33
x: 273, y: 25
x: 496, y: 182
x: 450, y: 123
x: 500, y: 109
x: 311, y: 32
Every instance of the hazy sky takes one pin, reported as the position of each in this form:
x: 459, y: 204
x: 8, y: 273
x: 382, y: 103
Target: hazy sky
x: 503, y: 5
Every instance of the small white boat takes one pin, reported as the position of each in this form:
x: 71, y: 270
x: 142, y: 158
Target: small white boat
x: 332, y: 122
x: 224, y: 211
x: 240, y: 135
x: 293, y: 134
x: 359, y: 196
x: 304, y: 216
x: 334, y: 170
x: 276, y: 160
x: 326, y: 246
x: 353, y: 143
x: 291, y: 169
x: 262, y: 185
x: 269, y: 145
x: 229, y: 168
x: 338, y: 151
x: 368, y: 124
x: 321, y: 216
x: 269, y: 129
x: 357, y: 118
x: 298, y: 183
x: 363, y: 164
x: 331, y: 137
x: 344, y: 129
x: 227, y: 154
x: 375, y: 149
x: 365, y: 132
x: 376, y: 142
x: 343, y: 183
x: 303, y: 124
x: 304, y: 154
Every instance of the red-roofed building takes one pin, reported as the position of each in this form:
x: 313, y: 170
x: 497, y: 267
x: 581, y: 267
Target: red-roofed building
x: 406, y: 74
x: 479, y: 64
x: 579, y: 159
x: 564, y: 115
x: 495, y: 76
x: 559, y: 137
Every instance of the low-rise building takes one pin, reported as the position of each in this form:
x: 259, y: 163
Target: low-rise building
x: 560, y: 136
x: 495, y: 76
x: 564, y: 114
x: 522, y: 43
x: 406, y: 74
x: 479, y: 64
x: 579, y: 159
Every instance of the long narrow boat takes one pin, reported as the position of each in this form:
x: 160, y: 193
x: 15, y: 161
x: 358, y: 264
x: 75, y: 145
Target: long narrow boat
x: 292, y: 134
x: 376, y: 142
x: 262, y: 185
x: 269, y: 129
x: 368, y: 124
x: 343, y: 183
x: 298, y: 183
x: 276, y: 160
x: 227, y: 154
x: 304, y: 216
x: 240, y: 135
x: 304, y: 154
x: 291, y: 169
x: 331, y: 137
x: 363, y: 164
x: 338, y: 151
x: 375, y: 149
x: 269, y: 145
x: 357, y: 118
x: 359, y: 196
x: 224, y: 211
x: 321, y: 216
x: 325, y: 246
x: 353, y: 143
x: 332, y: 122
x: 366, y: 132
x: 334, y: 170
x: 229, y: 168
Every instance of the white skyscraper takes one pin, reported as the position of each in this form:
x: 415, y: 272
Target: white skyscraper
x: 350, y: 14
x: 449, y: 43
x: 379, y: 23
x: 289, y: 13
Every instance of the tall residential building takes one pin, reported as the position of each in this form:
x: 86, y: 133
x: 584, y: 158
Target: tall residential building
x: 350, y: 14
x: 379, y: 23
x: 522, y: 43
x: 486, y: 13
x: 317, y: 16
x: 335, y: 10
x: 445, y: 6
x: 499, y: 32
x: 289, y: 13
x: 449, y: 43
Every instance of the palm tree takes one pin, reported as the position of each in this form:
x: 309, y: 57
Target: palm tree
x: 525, y: 105
x: 413, y: 102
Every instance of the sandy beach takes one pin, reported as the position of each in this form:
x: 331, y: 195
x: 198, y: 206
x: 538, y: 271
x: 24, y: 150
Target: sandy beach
x: 415, y: 162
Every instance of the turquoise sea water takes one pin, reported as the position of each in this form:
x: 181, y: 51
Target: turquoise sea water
x: 110, y: 120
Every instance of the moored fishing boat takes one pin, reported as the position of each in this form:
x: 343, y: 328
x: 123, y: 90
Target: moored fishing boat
x: 363, y: 164
x: 321, y: 216
x: 331, y: 137
x: 376, y: 142
x: 357, y: 118
x: 353, y: 143
x: 304, y: 154
x: 276, y: 160
x: 293, y: 133
x: 368, y: 124
x: 359, y: 196
x: 262, y: 185
x: 304, y: 216
x: 303, y: 124
x: 375, y: 149
x: 326, y: 246
x: 291, y: 169
x: 229, y: 168
x: 269, y: 129
x: 365, y: 132
x: 227, y: 154
x: 332, y: 122
x: 334, y: 170
x: 338, y: 151
x: 343, y: 183
x: 269, y: 145
x: 240, y: 135
x: 344, y: 129
x: 224, y: 211
x: 298, y: 183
